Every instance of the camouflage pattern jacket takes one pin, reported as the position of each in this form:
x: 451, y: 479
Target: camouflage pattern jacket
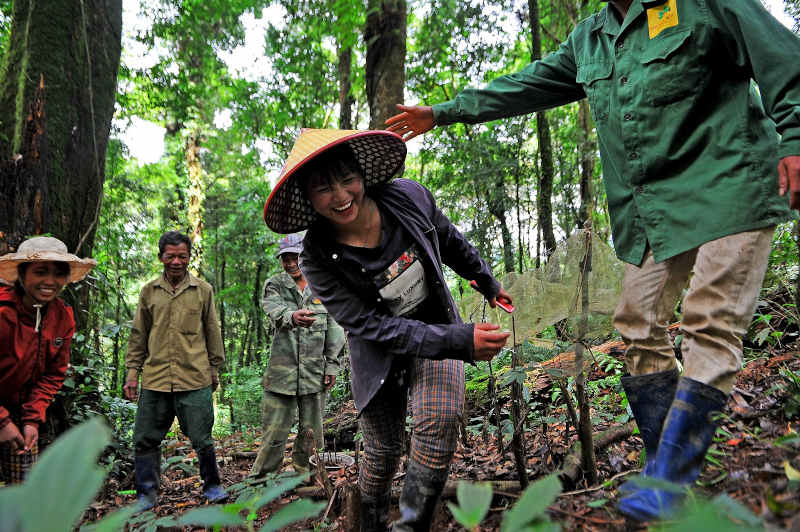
x: 300, y: 356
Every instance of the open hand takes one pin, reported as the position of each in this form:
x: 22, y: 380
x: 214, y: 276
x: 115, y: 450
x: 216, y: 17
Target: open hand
x: 303, y: 317
x: 487, y: 342
x: 412, y: 121
x: 10, y: 434
x: 31, y: 433
x: 789, y: 179
x: 329, y: 382
x: 131, y: 387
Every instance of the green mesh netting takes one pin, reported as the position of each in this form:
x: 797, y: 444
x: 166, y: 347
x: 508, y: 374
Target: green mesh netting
x: 552, y: 293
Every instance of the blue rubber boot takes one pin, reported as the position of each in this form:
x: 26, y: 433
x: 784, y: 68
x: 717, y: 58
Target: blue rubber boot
x: 207, y: 462
x: 649, y: 397
x: 148, y: 471
x: 687, y: 435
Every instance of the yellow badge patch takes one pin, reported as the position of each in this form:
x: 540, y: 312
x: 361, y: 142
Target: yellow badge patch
x: 662, y: 17
x: 316, y: 301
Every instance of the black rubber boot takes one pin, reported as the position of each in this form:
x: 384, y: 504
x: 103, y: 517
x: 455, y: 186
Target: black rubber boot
x: 374, y: 512
x: 650, y: 397
x: 421, y: 492
x: 212, y: 489
x: 148, y: 472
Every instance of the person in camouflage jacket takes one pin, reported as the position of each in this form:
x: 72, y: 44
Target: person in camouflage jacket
x: 303, y: 364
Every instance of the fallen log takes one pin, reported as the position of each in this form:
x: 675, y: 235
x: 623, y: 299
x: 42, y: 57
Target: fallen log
x: 571, y: 469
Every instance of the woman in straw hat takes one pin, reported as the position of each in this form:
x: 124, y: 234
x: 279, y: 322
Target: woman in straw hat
x: 36, y: 329
x: 374, y: 254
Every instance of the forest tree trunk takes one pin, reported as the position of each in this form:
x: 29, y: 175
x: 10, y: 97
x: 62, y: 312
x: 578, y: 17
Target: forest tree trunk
x: 586, y: 150
x: 346, y: 99
x: 385, y: 38
x: 544, y: 207
x: 54, y: 147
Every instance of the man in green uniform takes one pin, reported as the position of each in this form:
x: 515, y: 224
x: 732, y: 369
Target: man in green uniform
x: 176, y: 346
x: 303, y: 363
x: 690, y: 149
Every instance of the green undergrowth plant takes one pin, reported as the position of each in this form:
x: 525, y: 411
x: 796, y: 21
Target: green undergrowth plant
x: 528, y: 514
x: 244, y: 391
x: 68, y: 478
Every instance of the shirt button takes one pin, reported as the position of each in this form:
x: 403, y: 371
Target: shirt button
x: 623, y: 80
x: 632, y: 156
x: 363, y: 270
x: 378, y: 300
x: 382, y: 380
x: 627, y: 116
x: 334, y: 256
x: 620, y: 44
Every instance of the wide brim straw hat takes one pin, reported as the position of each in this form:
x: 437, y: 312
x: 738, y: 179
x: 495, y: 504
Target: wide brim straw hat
x: 380, y: 154
x: 44, y: 249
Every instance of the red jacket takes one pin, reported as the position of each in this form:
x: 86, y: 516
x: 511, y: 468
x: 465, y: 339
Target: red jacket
x: 32, y: 364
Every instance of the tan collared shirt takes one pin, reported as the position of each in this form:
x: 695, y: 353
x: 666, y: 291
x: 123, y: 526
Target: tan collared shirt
x: 175, y: 342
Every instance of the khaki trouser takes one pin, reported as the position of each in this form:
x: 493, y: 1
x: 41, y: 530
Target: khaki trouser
x: 277, y: 418
x: 717, y: 308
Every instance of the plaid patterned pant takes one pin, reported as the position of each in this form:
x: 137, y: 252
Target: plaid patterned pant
x: 436, y: 390
x: 15, y: 467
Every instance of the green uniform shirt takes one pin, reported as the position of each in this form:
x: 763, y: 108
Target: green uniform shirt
x: 300, y: 356
x: 175, y: 340
x: 689, y: 153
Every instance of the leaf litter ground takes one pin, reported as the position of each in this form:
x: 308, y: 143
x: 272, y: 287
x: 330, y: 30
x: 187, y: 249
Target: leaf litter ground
x: 745, y: 461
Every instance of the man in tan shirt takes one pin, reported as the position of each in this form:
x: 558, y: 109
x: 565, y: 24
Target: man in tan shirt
x: 176, y: 346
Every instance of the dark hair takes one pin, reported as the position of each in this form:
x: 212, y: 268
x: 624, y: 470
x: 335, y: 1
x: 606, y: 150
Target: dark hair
x: 173, y: 238
x: 331, y: 165
x: 62, y: 268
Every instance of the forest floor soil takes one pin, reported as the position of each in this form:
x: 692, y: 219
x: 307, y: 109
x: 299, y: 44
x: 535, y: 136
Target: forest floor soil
x: 751, y: 461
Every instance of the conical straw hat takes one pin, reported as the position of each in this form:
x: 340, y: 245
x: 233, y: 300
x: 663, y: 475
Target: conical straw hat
x: 44, y: 249
x: 379, y: 153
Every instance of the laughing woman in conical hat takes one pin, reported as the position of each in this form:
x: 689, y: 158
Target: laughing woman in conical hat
x: 36, y: 329
x: 374, y: 254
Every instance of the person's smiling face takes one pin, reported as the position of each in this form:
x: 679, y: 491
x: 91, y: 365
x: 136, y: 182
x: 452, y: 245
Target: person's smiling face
x: 339, y: 199
x: 43, y: 281
x: 290, y: 266
x: 176, y: 261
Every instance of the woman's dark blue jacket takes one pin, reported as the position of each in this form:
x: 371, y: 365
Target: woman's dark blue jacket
x: 351, y: 297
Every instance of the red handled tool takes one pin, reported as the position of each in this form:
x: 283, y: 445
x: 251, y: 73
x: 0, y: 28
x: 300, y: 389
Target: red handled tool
x: 502, y: 302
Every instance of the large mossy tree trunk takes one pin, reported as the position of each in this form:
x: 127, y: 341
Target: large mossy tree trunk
x: 57, y: 92
x: 385, y: 38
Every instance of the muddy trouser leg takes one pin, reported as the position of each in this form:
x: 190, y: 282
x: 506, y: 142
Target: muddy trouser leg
x: 309, y: 407
x: 277, y: 418
x: 195, y: 411
x: 382, y: 423
x: 717, y: 309
x: 437, y: 399
x: 154, y: 416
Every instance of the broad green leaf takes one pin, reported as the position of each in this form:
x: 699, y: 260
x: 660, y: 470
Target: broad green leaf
x: 473, y: 503
x: 11, y: 505
x: 291, y: 513
x: 209, y: 516
x: 791, y: 473
x: 67, y: 477
x: 532, y: 504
